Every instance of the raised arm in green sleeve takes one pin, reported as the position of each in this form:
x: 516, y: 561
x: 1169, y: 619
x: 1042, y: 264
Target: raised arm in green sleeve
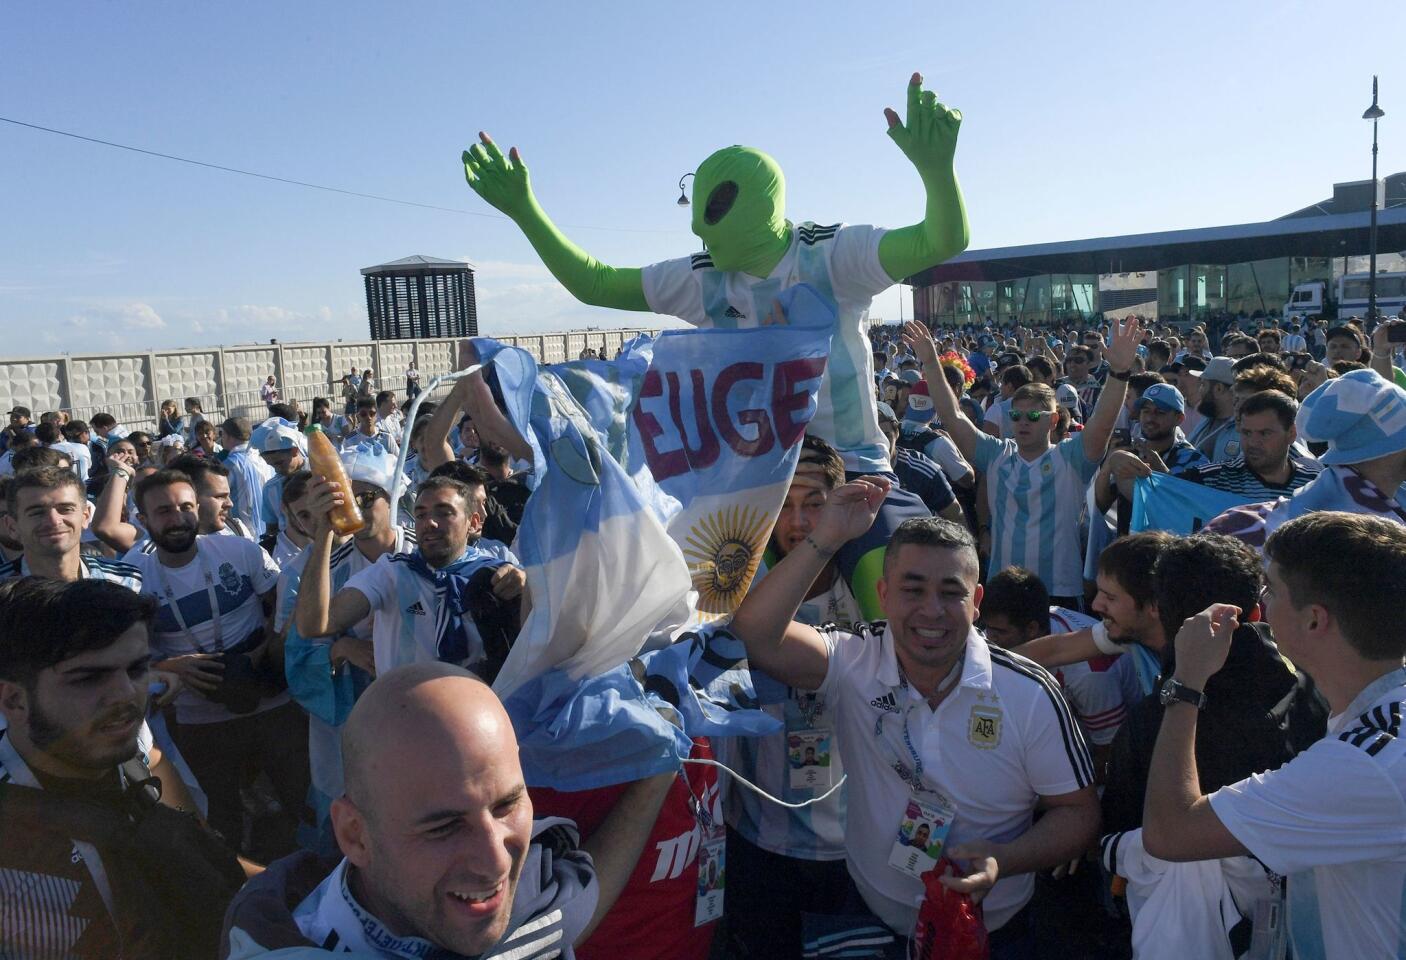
x: 929, y: 140
x: 504, y: 183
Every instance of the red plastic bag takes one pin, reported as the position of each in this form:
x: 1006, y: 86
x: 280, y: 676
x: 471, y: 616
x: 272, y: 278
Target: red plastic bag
x: 949, y: 924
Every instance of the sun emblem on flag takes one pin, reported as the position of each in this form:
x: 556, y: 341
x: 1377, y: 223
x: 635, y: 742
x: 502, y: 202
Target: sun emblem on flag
x: 723, y: 550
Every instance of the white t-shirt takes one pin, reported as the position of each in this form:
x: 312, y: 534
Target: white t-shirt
x: 992, y: 780
x: 998, y: 415
x: 210, y: 604
x: 842, y: 263
x: 405, y: 610
x: 79, y: 453
x: 1333, y: 822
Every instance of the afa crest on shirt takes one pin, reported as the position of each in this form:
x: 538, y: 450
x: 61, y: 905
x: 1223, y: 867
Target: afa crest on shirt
x: 723, y: 550
x: 984, y: 727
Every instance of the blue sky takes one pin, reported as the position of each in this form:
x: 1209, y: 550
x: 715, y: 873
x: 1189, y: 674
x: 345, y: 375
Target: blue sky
x: 1081, y: 119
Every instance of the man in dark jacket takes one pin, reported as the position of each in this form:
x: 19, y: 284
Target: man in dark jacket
x: 1262, y: 713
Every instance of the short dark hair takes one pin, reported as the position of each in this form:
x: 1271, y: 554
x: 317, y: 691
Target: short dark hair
x: 1343, y: 331
x: 42, y: 478
x: 1196, y: 571
x: 1040, y: 366
x: 468, y: 474
x: 491, y: 454
x: 819, y: 452
x: 1129, y: 560
x: 34, y: 457
x: 158, y: 480
x: 1160, y: 346
x: 284, y: 411
x: 365, y: 403
x: 1285, y: 407
x: 1252, y: 360
x: 1139, y: 382
x: 1352, y: 565
x: 46, y: 621
x: 1017, y: 375
x: 138, y: 436
x: 931, y: 532
x: 383, y: 395
x: 1019, y: 595
x: 198, y: 469
x: 74, y: 429
x: 48, y: 432
x: 1080, y: 351
x: 295, y: 485
x: 102, y: 420
x: 237, y: 427
x: 955, y: 378
x: 464, y: 491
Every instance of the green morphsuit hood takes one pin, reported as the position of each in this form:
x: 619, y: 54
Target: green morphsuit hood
x: 749, y: 233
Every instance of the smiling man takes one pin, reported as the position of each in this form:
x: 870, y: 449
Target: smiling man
x: 442, y: 854
x: 934, y: 723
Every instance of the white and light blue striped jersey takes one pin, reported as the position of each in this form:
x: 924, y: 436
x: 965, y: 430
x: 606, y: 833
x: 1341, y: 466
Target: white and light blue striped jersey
x: 816, y: 832
x: 91, y: 567
x: 842, y: 264
x: 1035, y: 509
x: 247, y: 475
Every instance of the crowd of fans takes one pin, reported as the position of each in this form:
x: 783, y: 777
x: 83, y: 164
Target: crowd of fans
x: 232, y: 731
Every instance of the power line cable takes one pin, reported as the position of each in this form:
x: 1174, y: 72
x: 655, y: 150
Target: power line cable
x: 299, y: 183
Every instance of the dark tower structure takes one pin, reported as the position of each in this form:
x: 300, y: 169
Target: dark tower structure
x: 420, y: 297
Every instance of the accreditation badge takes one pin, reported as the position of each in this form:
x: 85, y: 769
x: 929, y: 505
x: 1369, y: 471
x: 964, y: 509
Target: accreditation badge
x: 712, y: 859
x: 922, y: 833
x: 808, y: 758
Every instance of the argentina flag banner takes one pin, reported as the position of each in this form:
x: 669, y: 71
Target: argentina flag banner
x: 1164, y: 502
x: 658, y: 478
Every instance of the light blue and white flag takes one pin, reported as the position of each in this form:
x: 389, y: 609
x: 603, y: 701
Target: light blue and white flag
x: 1164, y: 502
x: 658, y: 478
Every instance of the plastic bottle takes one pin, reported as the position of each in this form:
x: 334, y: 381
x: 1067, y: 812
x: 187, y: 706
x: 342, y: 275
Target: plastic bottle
x: 327, y: 464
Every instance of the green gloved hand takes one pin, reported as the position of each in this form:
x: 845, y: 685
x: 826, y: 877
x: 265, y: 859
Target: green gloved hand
x: 502, y: 181
x: 929, y: 136
x: 929, y: 140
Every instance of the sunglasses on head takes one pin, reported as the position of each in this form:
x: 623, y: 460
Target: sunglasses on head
x: 1032, y: 415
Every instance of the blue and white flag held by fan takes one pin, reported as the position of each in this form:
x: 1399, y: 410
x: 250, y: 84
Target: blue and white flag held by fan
x: 1164, y: 502
x: 658, y: 478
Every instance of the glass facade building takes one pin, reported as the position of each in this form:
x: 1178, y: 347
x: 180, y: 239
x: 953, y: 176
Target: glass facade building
x: 1246, y: 270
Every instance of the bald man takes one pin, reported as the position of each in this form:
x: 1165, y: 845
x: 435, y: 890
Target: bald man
x: 441, y: 851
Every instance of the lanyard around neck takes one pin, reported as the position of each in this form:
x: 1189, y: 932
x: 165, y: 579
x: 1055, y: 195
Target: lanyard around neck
x: 217, y: 634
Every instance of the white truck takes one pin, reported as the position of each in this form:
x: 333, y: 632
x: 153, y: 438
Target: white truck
x: 1308, y: 299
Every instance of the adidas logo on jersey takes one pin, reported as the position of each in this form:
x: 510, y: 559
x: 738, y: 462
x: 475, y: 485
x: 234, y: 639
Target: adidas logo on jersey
x: 888, y: 703
x: 734, y: 313
x: 417, y: 608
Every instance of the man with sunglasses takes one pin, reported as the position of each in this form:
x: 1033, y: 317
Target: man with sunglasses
x: 1036, y: 489
x: 368, y: 426
x: 1077, y: 364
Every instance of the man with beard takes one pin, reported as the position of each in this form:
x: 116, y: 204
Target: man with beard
x: 1267, y: 467
x: 74, y: 674
x: 215, y: 513
x: 1215, y: 436
x: 1159, y: 411
x: 212, y: 629
x: 424, y: 605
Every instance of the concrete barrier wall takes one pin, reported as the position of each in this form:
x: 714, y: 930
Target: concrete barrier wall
x: 131, y: 386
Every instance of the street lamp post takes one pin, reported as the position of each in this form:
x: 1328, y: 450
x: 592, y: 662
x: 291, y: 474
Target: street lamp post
x: 1373, y: 113
x: 683, y: 197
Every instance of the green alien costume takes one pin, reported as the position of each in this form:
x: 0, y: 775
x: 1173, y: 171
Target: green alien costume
x: 752, y: 253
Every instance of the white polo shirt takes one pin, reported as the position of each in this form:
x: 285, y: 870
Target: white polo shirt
x: 1333, y: 822
x: 992, y: 781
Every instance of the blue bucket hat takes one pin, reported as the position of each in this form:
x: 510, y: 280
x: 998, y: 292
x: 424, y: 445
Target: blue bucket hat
x: 1359, y: 415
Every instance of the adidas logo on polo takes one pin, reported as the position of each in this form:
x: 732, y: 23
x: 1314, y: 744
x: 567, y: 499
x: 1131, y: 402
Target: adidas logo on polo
x: 416, y: 608
x: 734, y: 313
x: 887, y: 703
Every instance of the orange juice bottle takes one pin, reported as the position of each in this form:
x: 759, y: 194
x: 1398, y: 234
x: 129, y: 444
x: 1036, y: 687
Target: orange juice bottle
x: 326, y: 463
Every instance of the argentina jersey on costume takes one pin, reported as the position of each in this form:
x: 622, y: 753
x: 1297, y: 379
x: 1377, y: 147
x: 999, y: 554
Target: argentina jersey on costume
x: 842, y: 263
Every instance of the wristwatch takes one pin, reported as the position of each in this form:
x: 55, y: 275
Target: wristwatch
x: 1174, y: 691
x: 1122, y: 375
